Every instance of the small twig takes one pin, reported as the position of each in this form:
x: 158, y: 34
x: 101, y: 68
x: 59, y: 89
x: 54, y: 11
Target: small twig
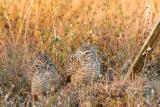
x: 9, y: 93
x: 151, y: 41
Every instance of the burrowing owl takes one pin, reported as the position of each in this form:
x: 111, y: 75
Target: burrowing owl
x: 44, y: 74
x: 83, y: 66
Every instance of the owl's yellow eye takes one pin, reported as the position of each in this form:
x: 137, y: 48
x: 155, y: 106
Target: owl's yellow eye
x: 38, y: 64
x: 87, y: 53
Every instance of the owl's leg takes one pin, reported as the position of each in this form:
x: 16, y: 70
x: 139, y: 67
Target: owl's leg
x: 48, y: 92
x: 34, y: 100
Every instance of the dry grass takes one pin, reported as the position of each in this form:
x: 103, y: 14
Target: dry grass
x: 117, y: 28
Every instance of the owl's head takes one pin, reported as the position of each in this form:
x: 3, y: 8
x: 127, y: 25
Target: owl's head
x: 86, y: 51
x: 39, y: 61
x: 43, y: 61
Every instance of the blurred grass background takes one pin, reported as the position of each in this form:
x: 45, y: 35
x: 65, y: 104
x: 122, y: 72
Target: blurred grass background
x: 117, y: 27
